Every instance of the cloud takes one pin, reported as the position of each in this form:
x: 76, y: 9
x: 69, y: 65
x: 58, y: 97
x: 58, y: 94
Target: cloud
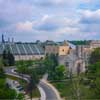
x: 55, y: 24
x: 47, y: 23
x: 25, y: 26
x: 15, y: 11
x: 51, y: 27
x: 50, y: 19
x: 87, y: 1
x: 49, y: 2
x: 90, y: 17
x: 90, y: 22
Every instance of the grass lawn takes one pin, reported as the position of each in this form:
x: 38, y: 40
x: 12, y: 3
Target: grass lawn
x: 66, y: 91
x: 2, y: 82
x: 13, y: 77
x: 36, y: 93
x: 64, y: 88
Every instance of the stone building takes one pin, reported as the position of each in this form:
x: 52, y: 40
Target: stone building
x: 59, y: 48
x: 95, y: 43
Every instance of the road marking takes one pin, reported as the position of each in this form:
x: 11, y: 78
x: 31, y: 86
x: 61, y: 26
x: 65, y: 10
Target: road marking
x: 42, y: 92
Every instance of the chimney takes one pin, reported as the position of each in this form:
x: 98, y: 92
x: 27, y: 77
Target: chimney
x: 3, y: 41
x: 12, y: 40
x: 8, y: 40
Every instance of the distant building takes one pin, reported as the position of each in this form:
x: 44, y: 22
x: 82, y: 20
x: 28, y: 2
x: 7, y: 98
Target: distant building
x: 95, y: 43
x: 38, y: 50
x: 84, y: 51
x: 24, y: 51
x: 59, y: 48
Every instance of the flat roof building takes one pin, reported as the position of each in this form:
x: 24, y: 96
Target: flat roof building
x: 23, y: 51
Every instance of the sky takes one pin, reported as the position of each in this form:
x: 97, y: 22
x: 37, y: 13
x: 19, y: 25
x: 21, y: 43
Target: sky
x: 31, y: 20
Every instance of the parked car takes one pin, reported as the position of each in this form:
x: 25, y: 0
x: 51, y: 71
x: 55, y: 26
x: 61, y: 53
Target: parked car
x: 20, y: 88
x: 16, y: 83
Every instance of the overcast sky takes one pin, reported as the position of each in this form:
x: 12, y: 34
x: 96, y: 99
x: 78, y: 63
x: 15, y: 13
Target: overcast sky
x: 30, y: 20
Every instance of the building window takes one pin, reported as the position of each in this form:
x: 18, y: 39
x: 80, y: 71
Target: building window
x: 67, y: 64
x: 63, y: 50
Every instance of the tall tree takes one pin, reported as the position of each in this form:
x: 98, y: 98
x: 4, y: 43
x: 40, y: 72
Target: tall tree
x: 8, y: 58
x: 34, y: 80
x: 11, y: 59
x: 1, y: 68
x: 5, y: 58
x: 94, y: 75
x: 60, y: 72
x: 95, y: 56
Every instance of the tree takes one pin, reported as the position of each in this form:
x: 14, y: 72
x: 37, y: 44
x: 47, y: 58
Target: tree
x: 2, y: 75
x: 11, y: 59
x: 51, y: 62
x: 54, y: 71
x: 1, y: 69
x: 55, y: 59
x: 20, y: 96
x: 97, y: 89
x: 48, y: 62
x: 8, y: 58
x: 22, y: 67
x: 93, y: 72
x: 5, y: 58
x: 5, y: 92
x: 1, y: 62
x: 4, y: 54
x: 34, y: 80
x: 95, y: 56
x: 60, y: 72
x: 94, y: 75
x: 93, y: 68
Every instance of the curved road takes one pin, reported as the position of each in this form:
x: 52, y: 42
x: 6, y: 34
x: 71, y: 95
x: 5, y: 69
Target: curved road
x: 49, y: 92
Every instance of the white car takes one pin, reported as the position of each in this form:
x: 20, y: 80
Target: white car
x: 16, y: 83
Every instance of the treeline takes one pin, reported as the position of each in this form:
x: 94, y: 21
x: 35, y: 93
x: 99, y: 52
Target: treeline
x: 54, y: 70
x: 93, y: 72
x: 80, y: 42
x: 7, y: 58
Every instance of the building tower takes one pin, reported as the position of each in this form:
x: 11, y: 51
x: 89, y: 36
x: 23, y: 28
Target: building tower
x: 3, y: 40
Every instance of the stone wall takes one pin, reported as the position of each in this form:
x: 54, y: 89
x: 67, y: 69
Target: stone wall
x: 28, y: 57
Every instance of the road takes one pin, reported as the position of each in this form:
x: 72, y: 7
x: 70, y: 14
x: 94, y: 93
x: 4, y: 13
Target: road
x: 49, y: 92
x: 11, y: 70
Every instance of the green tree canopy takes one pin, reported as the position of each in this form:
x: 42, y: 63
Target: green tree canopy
x: 8, y: 58
x: 34, y: 80
x: 95, y: 56
x: 5, y: 92
x: 94, y: 75
x: 60, y: 72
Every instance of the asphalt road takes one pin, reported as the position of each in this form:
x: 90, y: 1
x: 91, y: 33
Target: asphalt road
x: 50, y: 94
